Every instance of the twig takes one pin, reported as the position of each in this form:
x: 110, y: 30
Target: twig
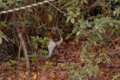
x: 68, y: 4
x: 57, y: 8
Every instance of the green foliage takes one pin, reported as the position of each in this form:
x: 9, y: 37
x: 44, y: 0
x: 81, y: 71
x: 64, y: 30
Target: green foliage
x: 116, y: 76
x: 48, y: 64
x: 22, y: 59
x: 82, y: 73
x: 2, y: 24
x: 73, y: 12
x: 43, y: 43
x: 7, y: 4
x: 12, y: 69
x: 3, y: 5
x: 115, y: 1
x: 37, y: 40
x: 96, y: 29
x: 42, y: 26
x: 116, y: 12
x: 103, y: 57
x: 84, y: 1
x: 44, y: 52
x: 12, y: 62
x: 34, y: 57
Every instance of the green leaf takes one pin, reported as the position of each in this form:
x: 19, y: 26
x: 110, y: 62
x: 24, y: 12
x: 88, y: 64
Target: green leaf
x: 77, y: 12
x: 68, y: 19
x: 22, y: 58
x: 36, y: 46
x: 37, y: 39
x: 114, y: 13
x: 69, y: 8
x: 72, y: 20
x: 85, y: 1
x: 111, y: 24
x: 116, y: 1
x: 49, y: 64
x: 116, y: 26
x: 77, y: 3
x: 71, y: 13
x: 112, y: 32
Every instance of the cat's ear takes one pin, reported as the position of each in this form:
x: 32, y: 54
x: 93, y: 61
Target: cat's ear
x: 54, y: 30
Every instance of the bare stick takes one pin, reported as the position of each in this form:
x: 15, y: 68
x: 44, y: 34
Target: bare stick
x: 22, y: 43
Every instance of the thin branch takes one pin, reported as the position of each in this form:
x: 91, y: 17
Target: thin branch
x: 57, y: 8
x: 68, y: 4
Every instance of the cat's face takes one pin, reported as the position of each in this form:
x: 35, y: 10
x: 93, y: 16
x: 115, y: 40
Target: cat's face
x: 55, y: 30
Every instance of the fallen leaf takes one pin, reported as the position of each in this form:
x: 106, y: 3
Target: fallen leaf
x: 52, y: 74
x: 34, y: 77
x: 61, y: 60
x: 1, y: 78
x: 62, y: 74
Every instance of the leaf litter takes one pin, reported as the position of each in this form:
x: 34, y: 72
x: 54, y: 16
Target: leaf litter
x: 69, y: 51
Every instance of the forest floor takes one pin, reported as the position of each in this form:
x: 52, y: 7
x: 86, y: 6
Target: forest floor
x: 69, y: 52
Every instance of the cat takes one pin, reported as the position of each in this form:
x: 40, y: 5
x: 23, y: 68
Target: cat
x: 9, y: 49
x: 56, y: 37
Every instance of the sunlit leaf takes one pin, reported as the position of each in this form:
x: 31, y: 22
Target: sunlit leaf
x: 71, y: 13
x: 50, y: 17
x: 72, y: 20
x: 85, y: 1
x: 116, y: 1
x: 111, y: 24
x: 34, y: 77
